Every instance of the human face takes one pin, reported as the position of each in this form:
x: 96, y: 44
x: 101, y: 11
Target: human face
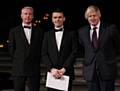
x: 93, y: 18
x: 27, y: 15
x: 57, y: 19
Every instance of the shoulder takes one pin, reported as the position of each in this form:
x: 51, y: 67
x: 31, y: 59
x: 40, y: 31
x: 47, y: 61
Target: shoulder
x: 47, y: 33
x: 108, y: 25
x: 13, y: 29
x: 83, y: 29
x: 69, y: 30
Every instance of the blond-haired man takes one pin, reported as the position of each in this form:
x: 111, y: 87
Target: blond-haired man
x: 101, y: 42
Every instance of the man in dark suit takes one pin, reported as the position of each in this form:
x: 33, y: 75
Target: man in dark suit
x: 25, y: 49
x: 59, y: 48
x: 101, y: 42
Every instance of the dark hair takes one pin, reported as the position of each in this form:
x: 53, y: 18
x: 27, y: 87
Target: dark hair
x: 57, y: 10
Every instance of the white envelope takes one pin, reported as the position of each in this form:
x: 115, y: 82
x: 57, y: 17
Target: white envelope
x: 60, y: 84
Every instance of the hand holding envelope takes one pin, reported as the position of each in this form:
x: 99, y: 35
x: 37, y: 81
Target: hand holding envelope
x: 60, y: 84
x: 57, y: 73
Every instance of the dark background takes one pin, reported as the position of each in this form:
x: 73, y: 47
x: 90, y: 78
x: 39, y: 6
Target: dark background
x: 74, y: 12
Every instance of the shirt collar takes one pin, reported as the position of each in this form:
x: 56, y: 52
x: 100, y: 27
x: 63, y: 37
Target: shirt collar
x: 57, y: 28
x: 98, y: 25
x: 26, y: 24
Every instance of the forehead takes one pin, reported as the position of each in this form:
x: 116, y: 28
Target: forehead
x: 27, y: 10
x: 57, y: 14
x: 92, y: 12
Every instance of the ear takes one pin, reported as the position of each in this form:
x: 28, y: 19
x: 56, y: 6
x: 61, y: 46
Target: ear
x: 64, y: 19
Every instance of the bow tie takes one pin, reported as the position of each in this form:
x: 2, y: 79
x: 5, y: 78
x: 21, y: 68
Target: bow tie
x: 29, y: 27
x: 57, y: 30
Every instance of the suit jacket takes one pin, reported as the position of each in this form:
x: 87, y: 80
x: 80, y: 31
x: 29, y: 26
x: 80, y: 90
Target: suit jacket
x: 65, y: 57
x: 25, y: 56
x: 105, y: 55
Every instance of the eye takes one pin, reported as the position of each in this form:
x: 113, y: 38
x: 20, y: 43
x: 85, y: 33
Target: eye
x: 59, y: 17
x: 54, y: 17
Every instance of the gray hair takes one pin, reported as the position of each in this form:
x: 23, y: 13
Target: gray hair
x: 27, y: 7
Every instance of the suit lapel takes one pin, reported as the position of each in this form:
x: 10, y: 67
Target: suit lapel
x: 88, y: 36
x: 32, y: 35
x: 53, y: 39
x: 63, y: 41
x: 55, y: 42
x: 23, y: 36
x: 88, y: 39
x: 101, y: 35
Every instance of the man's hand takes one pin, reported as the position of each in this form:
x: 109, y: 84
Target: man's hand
x: 62, y: 71
x: 55, y: 73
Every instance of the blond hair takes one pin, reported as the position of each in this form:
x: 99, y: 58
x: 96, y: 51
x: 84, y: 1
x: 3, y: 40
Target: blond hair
x: 91, y: 9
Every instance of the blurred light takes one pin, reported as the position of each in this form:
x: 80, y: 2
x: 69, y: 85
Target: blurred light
x: 1, y: 45
x: 37, y: 21
x: 34, y: 24
x: 46, y: 16
x: 7, y: 41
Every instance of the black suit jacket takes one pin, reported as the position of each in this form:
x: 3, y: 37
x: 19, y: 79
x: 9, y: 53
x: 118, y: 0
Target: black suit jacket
x: 104, y: 56
x: 63, y: 58
x: 25, y: 56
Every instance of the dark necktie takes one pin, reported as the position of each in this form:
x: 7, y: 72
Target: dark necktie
x: 29, y: 27
x: 94, y: 38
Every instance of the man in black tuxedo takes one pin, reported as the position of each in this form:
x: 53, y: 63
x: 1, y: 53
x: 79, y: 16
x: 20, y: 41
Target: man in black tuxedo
x: 25, y: 49
x: 59, y: 48
x: 101, y: 49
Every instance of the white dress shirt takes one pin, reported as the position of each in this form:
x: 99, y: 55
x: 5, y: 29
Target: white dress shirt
x: 97, y: 30
x: 28, y: 33
x: 59, y: 35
